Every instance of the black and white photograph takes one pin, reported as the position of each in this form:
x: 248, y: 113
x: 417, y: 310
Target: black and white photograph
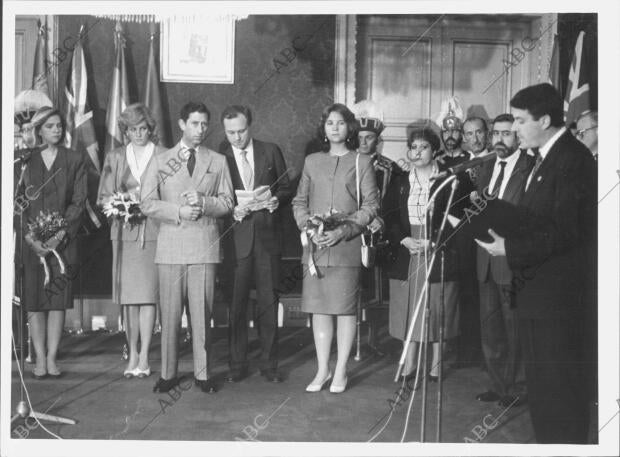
x: 310, y: 228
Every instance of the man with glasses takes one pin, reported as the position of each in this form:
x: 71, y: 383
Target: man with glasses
x: 587, y: 131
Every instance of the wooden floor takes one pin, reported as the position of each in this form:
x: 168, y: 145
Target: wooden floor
x: 108, y: 406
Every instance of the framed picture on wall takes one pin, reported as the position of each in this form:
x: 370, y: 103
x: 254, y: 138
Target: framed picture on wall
x: 198, y: 50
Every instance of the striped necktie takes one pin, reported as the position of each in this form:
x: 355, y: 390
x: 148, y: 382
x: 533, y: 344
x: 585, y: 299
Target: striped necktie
x: 246, y: 171
x: 537, y: 163
x: 191, y: 160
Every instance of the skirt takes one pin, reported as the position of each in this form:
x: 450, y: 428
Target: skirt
x: 404, y: 298
x: 337, y: 292
x: 134, y: 273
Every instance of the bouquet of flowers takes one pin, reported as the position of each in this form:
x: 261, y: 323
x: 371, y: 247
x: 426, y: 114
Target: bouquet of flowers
x: 318, y: 224
x: 124, y: 208
x: 48, y: 228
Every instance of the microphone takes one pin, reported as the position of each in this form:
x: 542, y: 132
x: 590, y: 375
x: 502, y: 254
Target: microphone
x: 23, y: 156
x: 464, y: 166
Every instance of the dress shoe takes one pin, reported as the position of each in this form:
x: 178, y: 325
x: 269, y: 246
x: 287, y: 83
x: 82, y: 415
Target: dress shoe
x: 338, y: 389
x: 489, y: 395
x: 271, y: 375
x: 407, y: 377
x: 236, y: 376
x: 511, y: 401
x: 138, y: 373
x: 164, y: 385
x: 319, y: 387
x: 206, y: 385
x: 130, y: 373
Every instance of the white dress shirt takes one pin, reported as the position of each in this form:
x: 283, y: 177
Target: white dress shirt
x: 239, y: 159
x: 511, y: 161
x: 137, y: 166
x: 544, y: 150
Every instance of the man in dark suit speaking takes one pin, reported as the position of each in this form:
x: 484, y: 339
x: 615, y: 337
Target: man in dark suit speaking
x: 548, y: 253
x: 255, y: 241
x: 502, y: 178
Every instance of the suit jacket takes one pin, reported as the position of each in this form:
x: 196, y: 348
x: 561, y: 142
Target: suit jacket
x: 165, y: 179
x: 396, y: 216
x: 515, y: 188
x: 269, y: 170
x: 547, y: 253
x: 116, y: 177
x: 328, y: 182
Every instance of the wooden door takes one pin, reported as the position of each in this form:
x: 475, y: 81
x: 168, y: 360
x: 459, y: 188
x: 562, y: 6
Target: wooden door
x: 410, y: 64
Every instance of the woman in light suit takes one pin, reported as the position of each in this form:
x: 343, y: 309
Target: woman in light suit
x: 328, y: 183
x: 134, y: 274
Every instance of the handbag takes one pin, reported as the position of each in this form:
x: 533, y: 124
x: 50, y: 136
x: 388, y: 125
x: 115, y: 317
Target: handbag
x: 369, y: 251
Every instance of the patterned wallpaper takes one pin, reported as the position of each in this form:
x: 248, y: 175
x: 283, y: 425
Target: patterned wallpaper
x: 285, y: 89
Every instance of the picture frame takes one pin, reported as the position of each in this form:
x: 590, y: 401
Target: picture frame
x: 198, y: 51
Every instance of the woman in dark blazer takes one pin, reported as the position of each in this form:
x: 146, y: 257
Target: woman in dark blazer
x: 134, y: 274
x: 410, y: 230
x: 328, y: 183
x: 54, y: 180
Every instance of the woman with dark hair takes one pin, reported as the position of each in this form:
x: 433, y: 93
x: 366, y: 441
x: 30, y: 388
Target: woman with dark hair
x: 58, y: 176
x: 337, y: 183
x: 134, y: 274
x: 411, y: 228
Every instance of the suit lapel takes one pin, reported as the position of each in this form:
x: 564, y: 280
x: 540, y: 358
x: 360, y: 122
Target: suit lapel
x: 203, y: 161
x: 519, y: 174
x: 547, y: 164
x: 485, y: 175
x: 234, y: 170
x: 259, y: 162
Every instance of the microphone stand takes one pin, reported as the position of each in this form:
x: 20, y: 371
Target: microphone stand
x: 22, y: 409
x: 425, y: 293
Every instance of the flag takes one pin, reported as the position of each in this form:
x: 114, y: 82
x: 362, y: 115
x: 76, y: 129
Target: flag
x: 554, y: 65
x: 39, y: 75
x: 80, y: 134
x: 152, y: 98
x: 119, y: 95
x: 577, y: 100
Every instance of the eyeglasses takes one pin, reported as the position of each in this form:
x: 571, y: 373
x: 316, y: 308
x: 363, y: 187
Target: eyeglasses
x: 580, y: 133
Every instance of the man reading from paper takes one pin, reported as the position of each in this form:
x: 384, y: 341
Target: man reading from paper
x: 261, y: 183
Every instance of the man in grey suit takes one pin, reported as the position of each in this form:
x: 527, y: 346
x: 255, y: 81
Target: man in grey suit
x: 502, y: 178
x: 187, y: 188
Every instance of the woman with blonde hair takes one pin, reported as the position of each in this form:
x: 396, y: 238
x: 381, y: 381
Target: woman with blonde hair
x: 134, y: 274
x: 59, y: 176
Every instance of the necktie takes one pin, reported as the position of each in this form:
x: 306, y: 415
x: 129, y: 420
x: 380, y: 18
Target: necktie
x: 498, y: 182
x: 246, y: 171
x: 191, y: 160
x: 536, y: 166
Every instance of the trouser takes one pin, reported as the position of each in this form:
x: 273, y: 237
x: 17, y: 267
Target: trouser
x: 499, y: 336
x: 554, y: 373
x: 196, y: 284
x: 259, y: 267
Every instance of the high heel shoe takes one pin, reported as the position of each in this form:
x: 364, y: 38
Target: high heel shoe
x: 39, y: 375
x: 319, y: 387
x: 138, y: 373
x: 338, y: 389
